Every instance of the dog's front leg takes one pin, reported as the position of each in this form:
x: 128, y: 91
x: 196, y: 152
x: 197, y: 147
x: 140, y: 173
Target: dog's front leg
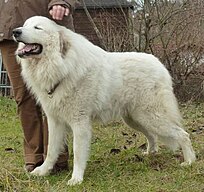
x: 81, y: 146
x: 56, y: 140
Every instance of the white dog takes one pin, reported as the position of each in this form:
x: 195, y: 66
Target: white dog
x: 76, y: 81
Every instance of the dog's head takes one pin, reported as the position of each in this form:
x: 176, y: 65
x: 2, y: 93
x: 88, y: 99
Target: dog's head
x: 37, y: 35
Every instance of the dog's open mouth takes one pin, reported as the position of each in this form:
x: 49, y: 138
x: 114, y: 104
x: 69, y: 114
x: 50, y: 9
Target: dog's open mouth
x: 30, y: 49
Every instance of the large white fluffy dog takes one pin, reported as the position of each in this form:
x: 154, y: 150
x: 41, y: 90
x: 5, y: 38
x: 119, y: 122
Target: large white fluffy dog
x: 76, y: 81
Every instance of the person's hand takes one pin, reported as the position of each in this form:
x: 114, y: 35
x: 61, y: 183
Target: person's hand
x: 58, y: 12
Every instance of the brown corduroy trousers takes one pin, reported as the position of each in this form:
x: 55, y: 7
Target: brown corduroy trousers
x: 34, y: 125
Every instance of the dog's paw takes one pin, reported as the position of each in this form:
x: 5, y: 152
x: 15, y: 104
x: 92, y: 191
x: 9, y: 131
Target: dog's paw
x: 74, y: 181
x: 40, y: 171
x: 153, y: 152
x: 186, y: 163
x: 145, y: 153
x: 189, y: 161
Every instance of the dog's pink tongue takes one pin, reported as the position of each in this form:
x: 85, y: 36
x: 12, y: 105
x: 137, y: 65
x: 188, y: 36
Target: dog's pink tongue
x: 28, y: 48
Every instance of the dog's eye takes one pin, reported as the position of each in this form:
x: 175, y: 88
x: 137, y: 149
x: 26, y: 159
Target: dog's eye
x: 36, y: 27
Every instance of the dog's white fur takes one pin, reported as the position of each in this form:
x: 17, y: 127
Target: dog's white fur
x: 94, y: 83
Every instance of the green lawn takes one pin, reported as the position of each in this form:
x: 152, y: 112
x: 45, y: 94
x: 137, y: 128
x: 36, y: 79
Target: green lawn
x: 116, y: 162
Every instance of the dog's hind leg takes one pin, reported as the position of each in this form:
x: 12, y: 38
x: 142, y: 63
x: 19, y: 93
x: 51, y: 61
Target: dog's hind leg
x: 81, y: 145
x: 152, y: 146
x: 167, y: 130
x: 56, y: 141
x: 178, y: 137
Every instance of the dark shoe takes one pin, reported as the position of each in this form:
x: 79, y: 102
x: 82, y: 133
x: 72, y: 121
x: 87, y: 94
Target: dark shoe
x: 29, y: 167
x: 59, y: 167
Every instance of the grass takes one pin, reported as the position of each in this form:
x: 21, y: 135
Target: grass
x: 116, y: 162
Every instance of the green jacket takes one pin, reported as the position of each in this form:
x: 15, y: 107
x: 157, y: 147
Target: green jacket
x: 13, y: 13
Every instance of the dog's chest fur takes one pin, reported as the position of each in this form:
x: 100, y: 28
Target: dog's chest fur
x: 86, y: 96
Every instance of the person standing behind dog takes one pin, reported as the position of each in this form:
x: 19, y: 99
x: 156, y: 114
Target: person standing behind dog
x: 13, y: 14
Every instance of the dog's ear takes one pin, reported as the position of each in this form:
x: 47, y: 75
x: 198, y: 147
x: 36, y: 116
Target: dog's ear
x: 64, y: 44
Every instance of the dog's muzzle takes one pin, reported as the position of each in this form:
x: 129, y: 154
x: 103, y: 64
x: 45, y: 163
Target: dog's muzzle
x: 28, y: 49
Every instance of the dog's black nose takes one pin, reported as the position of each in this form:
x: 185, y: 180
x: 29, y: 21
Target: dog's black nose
x: 17, y: 32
